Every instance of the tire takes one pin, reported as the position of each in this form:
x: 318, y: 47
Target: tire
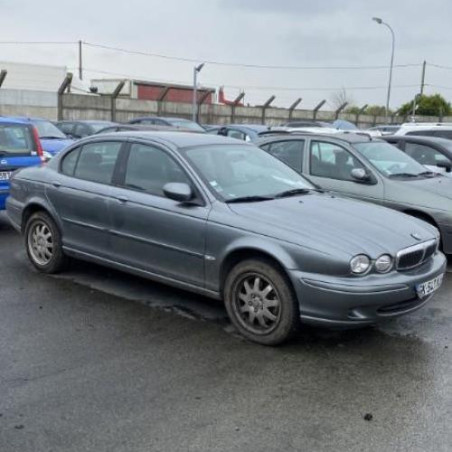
x: 43, y: 243
x: 260, y: 302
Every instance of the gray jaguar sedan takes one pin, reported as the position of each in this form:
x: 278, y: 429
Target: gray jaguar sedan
x: 227, y: 220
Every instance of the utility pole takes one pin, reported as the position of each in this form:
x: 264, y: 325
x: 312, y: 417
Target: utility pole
x: 196, y: 71
x: 80, y: 61
x: 423, y: 77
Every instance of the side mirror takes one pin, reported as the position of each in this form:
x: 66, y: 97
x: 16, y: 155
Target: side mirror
x: 446, y: 165
x: 360, y: 175
x: 223, y: 132
x: 178, y: 191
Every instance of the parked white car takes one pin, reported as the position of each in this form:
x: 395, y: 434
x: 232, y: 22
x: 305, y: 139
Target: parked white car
x: 437, y: 129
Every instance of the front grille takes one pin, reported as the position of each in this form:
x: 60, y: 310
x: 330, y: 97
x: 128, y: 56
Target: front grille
x: 416, y: 255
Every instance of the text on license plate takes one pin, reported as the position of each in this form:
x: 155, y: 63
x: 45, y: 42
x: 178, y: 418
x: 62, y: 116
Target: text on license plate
x: 428, y: 287
x: 5, y: 175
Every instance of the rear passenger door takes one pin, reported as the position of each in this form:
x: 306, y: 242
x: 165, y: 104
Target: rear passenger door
x: 330, y: 167
x: 80, y: 195
x: 150, y: 231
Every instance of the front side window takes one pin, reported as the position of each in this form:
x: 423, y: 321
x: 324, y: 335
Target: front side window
x: 290, y: 152
x: 97, y: 162
x: 389, y: 160
x: 425, y: 155
x: 236, y: 171
x: 332, y: 161
x: 149, y: 169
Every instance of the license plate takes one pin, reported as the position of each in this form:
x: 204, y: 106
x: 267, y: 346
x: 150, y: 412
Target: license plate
x: 427, y: 288
x: 5, y: 175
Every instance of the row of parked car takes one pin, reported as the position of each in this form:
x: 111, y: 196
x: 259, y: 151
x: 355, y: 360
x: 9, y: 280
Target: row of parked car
x: 291, y: 227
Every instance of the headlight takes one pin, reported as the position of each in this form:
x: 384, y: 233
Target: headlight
x: 360, y: 264
x: 384, y: 263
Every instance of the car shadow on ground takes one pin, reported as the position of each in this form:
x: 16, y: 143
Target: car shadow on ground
x: 193, y: 306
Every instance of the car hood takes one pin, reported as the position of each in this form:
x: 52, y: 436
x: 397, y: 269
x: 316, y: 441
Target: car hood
x: 55, y: 146
x: 430, y: 192
x: 335, y: 223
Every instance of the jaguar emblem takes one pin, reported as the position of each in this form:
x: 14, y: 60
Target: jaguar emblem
x: 3, y: 162
x: 416, y: 236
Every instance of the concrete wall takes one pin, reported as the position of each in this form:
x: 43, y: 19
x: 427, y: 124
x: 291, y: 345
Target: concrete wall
x: 79, y: 106
x: 15, y: 102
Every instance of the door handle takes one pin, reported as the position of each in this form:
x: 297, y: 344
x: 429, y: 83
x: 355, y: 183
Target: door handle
x: 56, y: 184
x: 122, y: 199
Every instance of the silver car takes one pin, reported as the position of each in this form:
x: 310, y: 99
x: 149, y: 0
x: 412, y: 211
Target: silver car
x: 369, y: 169
x: 226, y: 220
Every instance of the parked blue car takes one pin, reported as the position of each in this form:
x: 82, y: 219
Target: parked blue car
x: 53, y: 140
x: 19, y: 147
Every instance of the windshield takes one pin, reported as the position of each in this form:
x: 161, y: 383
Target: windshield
x: 47, y: 130
x: 389, y: 160
x: 186, y: 124
x: 237, y: 171
x: 15, y: 140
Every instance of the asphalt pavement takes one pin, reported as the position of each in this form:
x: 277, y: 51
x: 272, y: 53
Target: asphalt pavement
x: 95, y: 360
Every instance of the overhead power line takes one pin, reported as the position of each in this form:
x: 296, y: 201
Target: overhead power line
x: 39, y: 42
x: 236, y: 64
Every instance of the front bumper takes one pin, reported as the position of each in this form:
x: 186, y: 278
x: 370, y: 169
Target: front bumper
x: 357, y: 301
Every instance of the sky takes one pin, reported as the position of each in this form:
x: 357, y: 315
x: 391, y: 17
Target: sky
x: 314, y: 36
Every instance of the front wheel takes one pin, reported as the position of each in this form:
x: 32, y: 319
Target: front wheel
x: 260, y: 302
x: 43, y: 243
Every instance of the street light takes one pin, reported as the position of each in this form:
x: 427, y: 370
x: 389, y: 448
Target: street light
x: 380, y: 22
x: 196, y: 71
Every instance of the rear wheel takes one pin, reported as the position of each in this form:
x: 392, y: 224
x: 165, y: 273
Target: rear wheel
x: 43, y: 243
x: 260, y: 302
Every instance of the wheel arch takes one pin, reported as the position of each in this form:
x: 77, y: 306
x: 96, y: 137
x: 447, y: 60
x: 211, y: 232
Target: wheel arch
x: 280, y: 259
x: 37, y: 205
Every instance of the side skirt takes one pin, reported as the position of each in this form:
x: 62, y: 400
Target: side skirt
x: 143, y: 273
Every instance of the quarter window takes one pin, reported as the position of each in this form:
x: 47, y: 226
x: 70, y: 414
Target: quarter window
x: 332, y: 161
x: 69, y: 162
x: 97, y: 162
x: 150, y: 168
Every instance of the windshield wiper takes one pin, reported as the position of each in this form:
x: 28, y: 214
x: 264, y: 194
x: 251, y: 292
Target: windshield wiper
x: 294, y: 192
x: 250, y: 199
x: 428, y: 174
x: 404, y: 175
x: 52, y: 137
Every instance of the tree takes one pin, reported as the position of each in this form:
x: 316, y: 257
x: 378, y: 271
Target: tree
x: 434, y: 105
x: 341, y: 97
x: 371, y: 110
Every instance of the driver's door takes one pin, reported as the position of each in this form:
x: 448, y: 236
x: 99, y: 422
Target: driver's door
x: 330, y: 166
x: 150, y: 231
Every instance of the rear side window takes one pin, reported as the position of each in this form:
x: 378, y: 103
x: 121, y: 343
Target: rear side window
x: 290, y: 152
x: 97, y: 162
x: 444, y: 134
x: 16, y: 139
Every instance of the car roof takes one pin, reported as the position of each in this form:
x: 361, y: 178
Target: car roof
x: 177, y: 139
x: 88, y: 121
x: 420, y: 138
x: 254, y: 127
x: 340, y: 136
x: 30, y: 119
x: 7, y: 120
